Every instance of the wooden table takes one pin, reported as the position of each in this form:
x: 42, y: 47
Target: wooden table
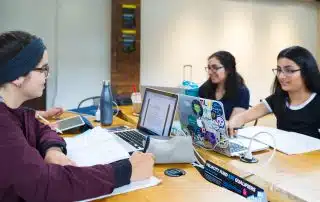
x: 286, y: 178
x: 188, y: 188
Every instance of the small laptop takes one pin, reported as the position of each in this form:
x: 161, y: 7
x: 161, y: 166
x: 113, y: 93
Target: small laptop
x: 156, y: 117
x: 205, y: 121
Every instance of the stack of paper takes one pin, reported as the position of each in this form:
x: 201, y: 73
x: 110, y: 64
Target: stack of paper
x: 286, y: 142
x: 98, y: 146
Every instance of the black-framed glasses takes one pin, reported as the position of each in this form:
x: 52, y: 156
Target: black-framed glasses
x: 44, y: 69
x: 213, y: 68
x: 285, y: 72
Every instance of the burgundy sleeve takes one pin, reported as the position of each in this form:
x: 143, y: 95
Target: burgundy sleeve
x: 32, y: 179
x: 46, y: 137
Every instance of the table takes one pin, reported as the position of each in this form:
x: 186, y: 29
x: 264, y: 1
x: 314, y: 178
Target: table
x: 188, y: 188
x: 286, y: 178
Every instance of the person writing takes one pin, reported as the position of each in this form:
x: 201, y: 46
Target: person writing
x: 225, y: 84
x: 295, y: 100
x: 34, y: 163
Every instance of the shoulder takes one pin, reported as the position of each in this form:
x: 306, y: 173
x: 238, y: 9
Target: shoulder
x: 206, y: 85
x: 243, y: 90
x: 206, y: 90
x: 243, y: 93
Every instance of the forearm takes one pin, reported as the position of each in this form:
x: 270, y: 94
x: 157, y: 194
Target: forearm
x: 254, y: 113
x: 69, y: 183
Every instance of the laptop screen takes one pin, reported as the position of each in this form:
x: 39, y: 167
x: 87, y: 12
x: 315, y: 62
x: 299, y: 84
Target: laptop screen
x: 157, y: 112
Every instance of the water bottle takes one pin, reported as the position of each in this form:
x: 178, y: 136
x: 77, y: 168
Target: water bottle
x: 106, y: 104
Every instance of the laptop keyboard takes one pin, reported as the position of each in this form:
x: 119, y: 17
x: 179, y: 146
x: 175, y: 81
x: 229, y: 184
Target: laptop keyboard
x: 132, y: 137
x: 236, y: 147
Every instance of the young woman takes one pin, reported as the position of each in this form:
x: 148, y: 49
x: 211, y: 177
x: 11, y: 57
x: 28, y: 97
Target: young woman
x: 225, y: 84
x: 34, y: 166
x: 295, y: 100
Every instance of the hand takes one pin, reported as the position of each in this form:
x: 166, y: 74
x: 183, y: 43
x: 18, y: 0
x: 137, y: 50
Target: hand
x: 54, y: 155
x: 142, y: 166
x: 53, y: 126
x: 53, y: 112
x: 234, y: 122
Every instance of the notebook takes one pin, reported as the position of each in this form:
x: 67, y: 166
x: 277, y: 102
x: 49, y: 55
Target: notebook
x: 97, y: 146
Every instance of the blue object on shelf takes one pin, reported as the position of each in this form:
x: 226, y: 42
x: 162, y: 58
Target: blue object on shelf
x: 190, y: 88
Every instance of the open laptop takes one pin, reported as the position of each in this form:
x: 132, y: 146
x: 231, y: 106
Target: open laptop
x: 156, y: 117
x: 205, y: 121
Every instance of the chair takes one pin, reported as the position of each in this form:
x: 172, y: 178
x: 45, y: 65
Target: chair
x: 95, y: 101
x: 88, y: 109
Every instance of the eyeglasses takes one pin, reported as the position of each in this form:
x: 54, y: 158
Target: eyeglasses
x: 44, y: 69
x: 213, y: 67
x: 285, y: 72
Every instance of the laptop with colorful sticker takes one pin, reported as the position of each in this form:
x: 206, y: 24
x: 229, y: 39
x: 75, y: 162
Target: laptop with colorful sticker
x: 205, y: 121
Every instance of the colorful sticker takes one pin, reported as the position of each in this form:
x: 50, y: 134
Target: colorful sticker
x: 197, y: 108
x: 217, y: 109
x: 220, y: 122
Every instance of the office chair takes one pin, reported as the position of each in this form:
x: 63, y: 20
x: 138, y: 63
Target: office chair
x: 95, y: 101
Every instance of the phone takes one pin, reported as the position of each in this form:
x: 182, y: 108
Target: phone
x: 69, y: 123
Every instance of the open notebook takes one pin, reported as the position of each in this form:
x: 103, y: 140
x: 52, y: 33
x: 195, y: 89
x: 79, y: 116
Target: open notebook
x: 98, y: 146
x: 286, y: 142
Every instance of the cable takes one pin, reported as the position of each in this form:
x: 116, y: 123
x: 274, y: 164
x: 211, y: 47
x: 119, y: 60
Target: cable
x: 274, y: 146
x: 117, y: 108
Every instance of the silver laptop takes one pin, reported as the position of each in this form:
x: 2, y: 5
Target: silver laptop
x: 156, y: 117
x: 205, y: 121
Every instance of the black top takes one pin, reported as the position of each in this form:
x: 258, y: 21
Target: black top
x: 304, y: 118
x: 207, y: 91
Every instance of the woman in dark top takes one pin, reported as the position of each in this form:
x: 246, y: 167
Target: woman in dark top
x: 34, y: 166
x: 225, y: 84
x: 295, y: 100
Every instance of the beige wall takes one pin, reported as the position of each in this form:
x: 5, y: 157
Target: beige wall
x: 182, y: 32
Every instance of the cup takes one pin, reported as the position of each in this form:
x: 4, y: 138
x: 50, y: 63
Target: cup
x: 136, y: 102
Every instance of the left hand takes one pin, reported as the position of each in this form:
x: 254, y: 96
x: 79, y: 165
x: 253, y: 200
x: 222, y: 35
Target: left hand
x: 54, y: 155
x: 52, y: 112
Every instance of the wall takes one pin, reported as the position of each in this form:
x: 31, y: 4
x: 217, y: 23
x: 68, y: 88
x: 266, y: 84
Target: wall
x: 76, y: 34
x: 181, y: 32
x: 174, y: 33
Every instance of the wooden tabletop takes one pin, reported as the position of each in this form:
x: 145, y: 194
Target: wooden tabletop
x: 286, y: 178
x: 188, y: 188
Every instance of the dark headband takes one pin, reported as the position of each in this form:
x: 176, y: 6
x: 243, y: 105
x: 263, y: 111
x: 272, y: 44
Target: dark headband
x: 26, y: 60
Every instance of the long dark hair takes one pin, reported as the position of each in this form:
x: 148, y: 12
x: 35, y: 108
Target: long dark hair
x: 234, y: 80
x: 11, y: 43
x: 308, y: 68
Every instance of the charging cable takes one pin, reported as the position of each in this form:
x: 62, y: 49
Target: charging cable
x: 248, y: 157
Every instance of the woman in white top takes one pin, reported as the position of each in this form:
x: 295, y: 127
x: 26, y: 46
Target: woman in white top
x: 295, y: 100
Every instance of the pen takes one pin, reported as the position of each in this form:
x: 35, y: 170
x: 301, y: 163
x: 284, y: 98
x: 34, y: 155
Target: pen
x: 146, y: 144
x: 47, y: 122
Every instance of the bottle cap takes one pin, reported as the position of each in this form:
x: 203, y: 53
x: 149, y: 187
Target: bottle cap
x: 106, y: 82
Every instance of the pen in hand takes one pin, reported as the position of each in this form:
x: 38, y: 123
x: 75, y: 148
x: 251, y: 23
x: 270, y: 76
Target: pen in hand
x: 47, y: 122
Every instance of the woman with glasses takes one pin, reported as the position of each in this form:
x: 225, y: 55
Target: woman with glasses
x: 225, y: 84
x: 34, y: 165
x: 295, y: 100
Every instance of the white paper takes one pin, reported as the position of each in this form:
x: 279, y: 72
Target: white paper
x: 152, y: 181
x: 286, y: 142
x: 96, y: 146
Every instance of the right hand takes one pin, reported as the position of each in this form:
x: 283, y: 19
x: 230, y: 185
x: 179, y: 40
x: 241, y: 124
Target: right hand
x: 142, y: 166
x: 234, y: 122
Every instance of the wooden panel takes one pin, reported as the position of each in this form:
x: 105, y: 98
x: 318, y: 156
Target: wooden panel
x: 125, y: 67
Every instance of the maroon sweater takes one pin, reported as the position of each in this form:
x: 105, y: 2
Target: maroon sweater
x: 24, y: 176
